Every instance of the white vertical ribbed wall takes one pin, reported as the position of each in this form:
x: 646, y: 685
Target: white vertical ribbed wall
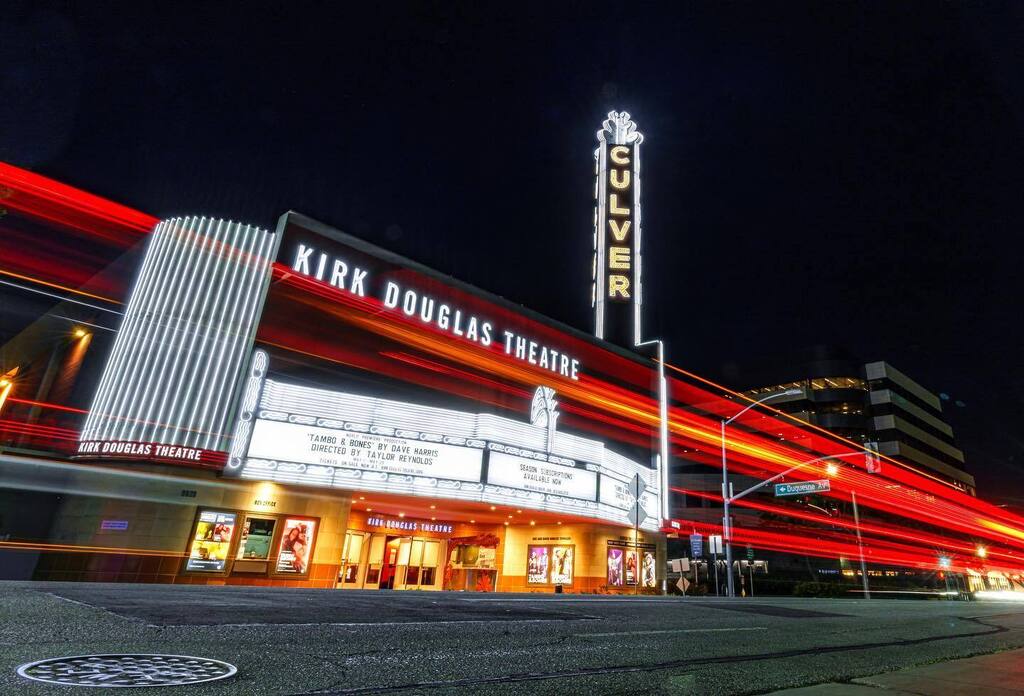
x: 185, y: 337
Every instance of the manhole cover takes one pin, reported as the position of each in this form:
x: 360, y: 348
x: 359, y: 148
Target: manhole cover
x: 126, y: 671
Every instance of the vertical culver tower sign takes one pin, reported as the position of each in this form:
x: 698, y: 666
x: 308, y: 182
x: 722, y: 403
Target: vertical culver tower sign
x: 617, y: 295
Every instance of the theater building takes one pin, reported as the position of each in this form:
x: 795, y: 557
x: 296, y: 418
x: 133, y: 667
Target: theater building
x: 337, y: 416
x: 296, y: 406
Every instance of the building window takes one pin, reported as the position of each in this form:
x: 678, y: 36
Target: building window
x: 838, y: 383
x: 778, y: 388
x: 843, y: 408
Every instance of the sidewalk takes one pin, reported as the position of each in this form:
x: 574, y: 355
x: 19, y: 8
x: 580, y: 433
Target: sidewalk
x: 1000, y: 673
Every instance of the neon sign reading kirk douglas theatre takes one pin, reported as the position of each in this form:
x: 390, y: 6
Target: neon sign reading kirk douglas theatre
x: 308, y: 260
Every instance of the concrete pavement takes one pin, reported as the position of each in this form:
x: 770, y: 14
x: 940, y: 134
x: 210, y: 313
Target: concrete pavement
x: 298, y: 641
x: 999, y: 674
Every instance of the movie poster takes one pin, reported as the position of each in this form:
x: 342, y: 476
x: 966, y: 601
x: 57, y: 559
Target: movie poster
x: 561, y: 565
x: 631, y: 569
x: 293, y: 554
x: 648, y: 572
x: 537, y: 565
x: 256, y: 536
x: 212, y: 541
x: 615, y: 570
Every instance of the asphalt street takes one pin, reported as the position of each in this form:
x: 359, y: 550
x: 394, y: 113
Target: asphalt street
x: 296, y: 641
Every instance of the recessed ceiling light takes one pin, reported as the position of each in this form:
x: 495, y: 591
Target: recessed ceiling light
x: 532, y: 523
x: 401, y: 514
x: 433, y: 507
x: 362, y: 497
x: 493, y: 508
x: 519, y: 512
x: 433, y: 518
x: 510, y: 516
x: 472, y: 521
x: 369, y: 509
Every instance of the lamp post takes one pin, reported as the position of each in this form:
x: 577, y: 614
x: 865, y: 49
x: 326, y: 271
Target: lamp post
x: 663, y: 458
x: 726, y: 523
x: 860, y: 547
x: 832, y: 470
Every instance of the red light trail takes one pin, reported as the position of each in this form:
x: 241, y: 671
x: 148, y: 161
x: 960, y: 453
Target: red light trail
x: 614, y: 398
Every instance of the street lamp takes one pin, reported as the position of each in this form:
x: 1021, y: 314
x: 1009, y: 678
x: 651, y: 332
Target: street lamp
x: 831, y: 469
x: 6, y: 384
x: 726, y: 524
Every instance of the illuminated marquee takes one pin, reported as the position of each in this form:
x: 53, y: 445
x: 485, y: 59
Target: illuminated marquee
x: 291, y: 433
x: 617, y: 292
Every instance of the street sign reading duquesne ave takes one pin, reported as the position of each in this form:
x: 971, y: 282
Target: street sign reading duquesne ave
x: 802, y: 488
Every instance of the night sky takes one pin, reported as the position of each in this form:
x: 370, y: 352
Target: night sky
x: 830, y: 173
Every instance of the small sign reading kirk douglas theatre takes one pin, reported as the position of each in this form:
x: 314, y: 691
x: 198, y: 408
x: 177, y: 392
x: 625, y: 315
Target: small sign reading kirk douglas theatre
x: 616, y: 266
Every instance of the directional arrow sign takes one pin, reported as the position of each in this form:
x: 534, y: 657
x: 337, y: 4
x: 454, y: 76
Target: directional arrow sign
x: 637, y: 487
x: 802, y: 488
x: 637, y: 515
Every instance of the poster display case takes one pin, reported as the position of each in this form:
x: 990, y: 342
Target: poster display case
x: 229, y: 542
x: 550, y: 565
x: 295, y: 547
x: 631, y: 564
x: 648, y: 573
x: 616, y: 567
x: 537, y: 563
x: 210, y: 543
x: 562, y: 560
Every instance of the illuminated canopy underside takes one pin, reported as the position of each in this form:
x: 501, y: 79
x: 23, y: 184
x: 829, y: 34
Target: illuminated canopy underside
x: 319, y: 437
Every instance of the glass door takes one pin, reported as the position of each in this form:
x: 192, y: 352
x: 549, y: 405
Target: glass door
x: 404, y: 552
x: 351, y: 559
x: 418, y: 560
x: 374, y: 561
x: 428, y: 572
